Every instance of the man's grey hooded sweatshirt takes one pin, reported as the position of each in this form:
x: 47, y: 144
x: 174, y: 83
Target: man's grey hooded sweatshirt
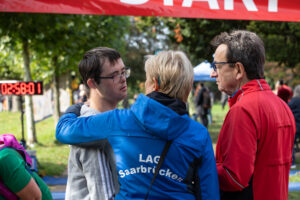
x: 92, y: 174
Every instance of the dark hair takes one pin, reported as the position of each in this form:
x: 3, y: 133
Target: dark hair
x: 245, y: 47
x: 281, y: 82
x: 93, y: 60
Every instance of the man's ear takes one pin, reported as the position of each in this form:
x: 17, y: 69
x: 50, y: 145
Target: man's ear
x: 155, y: 84
x: 91, y: 83
x: 241, y: 72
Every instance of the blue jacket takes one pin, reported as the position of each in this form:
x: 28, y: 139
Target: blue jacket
x: 295, y: 107
x: 138, y: 136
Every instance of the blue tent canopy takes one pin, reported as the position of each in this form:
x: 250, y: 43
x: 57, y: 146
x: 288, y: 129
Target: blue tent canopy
x: 202, y: 72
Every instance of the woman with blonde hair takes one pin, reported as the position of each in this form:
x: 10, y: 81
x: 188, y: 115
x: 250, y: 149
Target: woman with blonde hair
x: 160, y: 152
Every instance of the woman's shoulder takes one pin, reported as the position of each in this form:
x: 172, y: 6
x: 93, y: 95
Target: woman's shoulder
x: 7, y: 153
x: 195, y: 136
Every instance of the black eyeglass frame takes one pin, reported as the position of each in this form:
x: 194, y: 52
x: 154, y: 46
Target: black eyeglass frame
x: 213, y: 64
x: 126, y: 74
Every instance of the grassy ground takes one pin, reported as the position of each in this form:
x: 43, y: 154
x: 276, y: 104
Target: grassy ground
x: 296, y: 177
x: 53, y: 156
x: 294, y: 195
x: 218, y: 116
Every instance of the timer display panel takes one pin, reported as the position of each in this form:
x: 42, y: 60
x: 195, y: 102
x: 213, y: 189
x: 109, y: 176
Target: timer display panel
x: 21, y: 88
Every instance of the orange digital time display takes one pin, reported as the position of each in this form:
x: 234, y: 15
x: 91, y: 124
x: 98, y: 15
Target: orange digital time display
x: 22, y: 88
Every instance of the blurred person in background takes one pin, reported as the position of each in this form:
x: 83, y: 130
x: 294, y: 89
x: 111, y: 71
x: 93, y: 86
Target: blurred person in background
x: 284, y: 92
x: 294, y: 104
x: 224, y: 100
x: 203, y: 103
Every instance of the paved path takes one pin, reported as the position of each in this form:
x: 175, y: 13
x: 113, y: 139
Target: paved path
x: 57, y: 185
x: 295, y: 186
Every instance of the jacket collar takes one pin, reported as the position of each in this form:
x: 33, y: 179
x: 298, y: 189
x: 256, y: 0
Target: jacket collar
x: 175, y: 104
x: 251, y: 86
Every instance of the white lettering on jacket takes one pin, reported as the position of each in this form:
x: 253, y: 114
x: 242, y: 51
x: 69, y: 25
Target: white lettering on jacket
x: 149, y: 170
x: 149, y: 159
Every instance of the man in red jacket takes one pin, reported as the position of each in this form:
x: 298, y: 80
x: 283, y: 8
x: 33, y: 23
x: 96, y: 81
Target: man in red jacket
x: 254, y: 149
x: 284, y: 92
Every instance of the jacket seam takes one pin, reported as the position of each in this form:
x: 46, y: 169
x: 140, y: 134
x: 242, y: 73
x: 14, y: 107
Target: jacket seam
x: 234, y: 179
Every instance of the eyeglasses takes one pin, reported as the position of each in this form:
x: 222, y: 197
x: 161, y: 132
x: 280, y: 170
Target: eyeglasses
x: 213, y: 64
x: 117, y: 77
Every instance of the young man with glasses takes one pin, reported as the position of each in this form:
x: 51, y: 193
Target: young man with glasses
x: 254, y: 148
x: 91, y: 167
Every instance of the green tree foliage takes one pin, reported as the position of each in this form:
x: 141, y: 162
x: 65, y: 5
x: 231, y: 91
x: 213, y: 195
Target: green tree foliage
x: 137, y: 47
x: 11, y: 67
x: 282, y: 40
x: 282, y: 43
x: 56, y: 43
x: 147, y: 35
x: 20, y: 31
x: 66, y: 37
x: 193, y: 36
x: 198, y: 33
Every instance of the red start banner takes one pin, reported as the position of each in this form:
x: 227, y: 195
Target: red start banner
x: 273, y: 10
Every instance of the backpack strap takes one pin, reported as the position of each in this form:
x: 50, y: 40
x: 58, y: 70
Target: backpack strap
x: 160, y: 162
x: 6, y: 193
x: 192, y: 179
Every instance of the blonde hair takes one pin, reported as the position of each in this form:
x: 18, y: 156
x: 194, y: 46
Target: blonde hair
x: 173, y: 71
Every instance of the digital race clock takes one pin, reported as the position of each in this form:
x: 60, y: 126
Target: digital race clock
x: 21, y: 88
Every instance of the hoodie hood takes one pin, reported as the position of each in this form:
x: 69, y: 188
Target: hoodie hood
x: 157, y: 119
x: 175, y: 104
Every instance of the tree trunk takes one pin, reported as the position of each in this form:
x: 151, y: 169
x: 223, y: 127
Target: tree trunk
x: 16, y: 106
x: 69, y: 88
x: 31, y: 134
x: 56, y: 111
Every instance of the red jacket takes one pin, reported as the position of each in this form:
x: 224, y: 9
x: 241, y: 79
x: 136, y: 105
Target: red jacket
x: 285, y: 93
x: 255, y: 144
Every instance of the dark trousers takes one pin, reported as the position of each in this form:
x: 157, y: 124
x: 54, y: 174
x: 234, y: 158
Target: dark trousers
x: 204, y: 119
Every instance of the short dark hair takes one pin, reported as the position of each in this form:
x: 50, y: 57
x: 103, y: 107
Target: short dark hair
x: 93, y: 60
x: 245, y: 47
x: 281, y: 82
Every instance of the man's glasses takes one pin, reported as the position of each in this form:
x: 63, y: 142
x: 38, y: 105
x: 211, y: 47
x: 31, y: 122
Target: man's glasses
x: 213, y: 64
x: 117, y: 77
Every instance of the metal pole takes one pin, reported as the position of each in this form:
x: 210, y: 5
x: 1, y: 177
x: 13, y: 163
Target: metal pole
x: 23, y: 142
